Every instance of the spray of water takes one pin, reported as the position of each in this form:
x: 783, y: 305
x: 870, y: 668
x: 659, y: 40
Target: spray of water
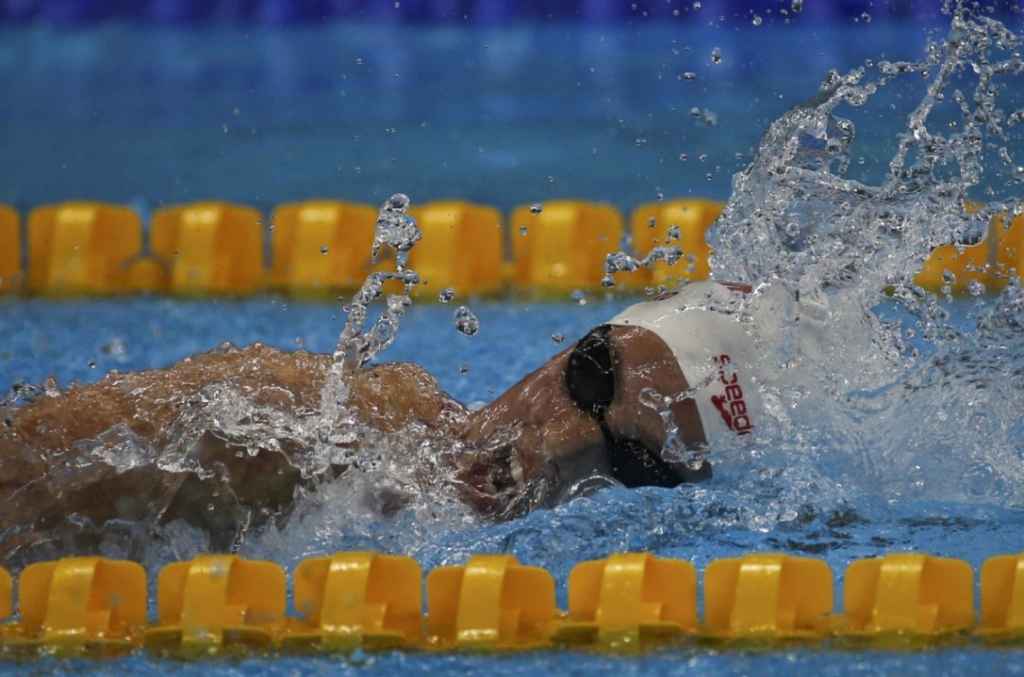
x: 897, y: 396
x: 871, y: 383
x: 357, y: 346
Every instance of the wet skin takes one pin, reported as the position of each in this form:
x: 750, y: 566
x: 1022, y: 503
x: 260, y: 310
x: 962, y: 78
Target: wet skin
x: 517, y: 453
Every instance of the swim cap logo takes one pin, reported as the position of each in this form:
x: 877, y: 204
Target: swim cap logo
x: 731, y: 405
x: 738, y: 287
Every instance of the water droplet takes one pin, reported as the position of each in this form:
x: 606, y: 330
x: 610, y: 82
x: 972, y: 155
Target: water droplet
x: 716, y: 55
x: 579, y: 298
x: 465, y: 321
x: 797, y: 5
x: 865, y: 17
x: 464, y: 369
x: 536, y: 208
x: 323, y: 249
x: 756, y: 20
x: 558, y: 338
x: 689, y: 76
x: 92, y: 364
x: 447, y: 295
x: 522, y: 230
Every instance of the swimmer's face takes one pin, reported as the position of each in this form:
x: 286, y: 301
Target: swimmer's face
x: 545, y: 434
x: 527, y: 443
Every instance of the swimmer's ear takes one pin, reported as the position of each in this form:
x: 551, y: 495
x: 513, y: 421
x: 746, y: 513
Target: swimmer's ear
x: 588, y: 374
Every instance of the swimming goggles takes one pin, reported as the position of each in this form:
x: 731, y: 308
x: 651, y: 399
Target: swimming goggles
x: 590, y: 380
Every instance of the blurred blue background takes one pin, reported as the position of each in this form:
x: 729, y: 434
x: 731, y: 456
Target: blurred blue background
x: 502, y: 103
x: 75, y: 12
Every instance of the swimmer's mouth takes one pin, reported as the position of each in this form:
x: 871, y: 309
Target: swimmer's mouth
x: 504, y: 477
x: 496, y: 483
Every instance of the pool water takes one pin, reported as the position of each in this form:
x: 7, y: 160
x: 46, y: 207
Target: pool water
x: 150, y: 115
x: 909, y: 439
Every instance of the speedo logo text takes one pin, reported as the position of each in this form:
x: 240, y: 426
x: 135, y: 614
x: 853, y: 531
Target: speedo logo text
x: 731, y: 405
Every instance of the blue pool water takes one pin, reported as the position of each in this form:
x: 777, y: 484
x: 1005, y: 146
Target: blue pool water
x: 153, y: 115
x: 621, y: 112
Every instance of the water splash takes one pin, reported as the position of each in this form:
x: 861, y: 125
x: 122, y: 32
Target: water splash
x: 623, y: 262
x: 894, y: 387
x: 794, y: 214
x: 357, y: 346
x: 872, y: 385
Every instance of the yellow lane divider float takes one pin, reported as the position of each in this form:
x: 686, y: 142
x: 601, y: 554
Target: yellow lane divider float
x: 365, y: 600
x: 322, y: 247
x: 11, y: 276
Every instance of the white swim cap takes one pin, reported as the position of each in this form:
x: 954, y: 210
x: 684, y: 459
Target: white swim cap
x: 700, y: 323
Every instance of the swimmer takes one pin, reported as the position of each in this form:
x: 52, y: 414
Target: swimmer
x: 680, y: 365
x: 604, y: 408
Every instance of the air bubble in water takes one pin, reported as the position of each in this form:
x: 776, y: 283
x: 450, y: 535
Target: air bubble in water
x: 323, y: 250
x: 447, y: 295
x: 558, y: 338
x: 716, y: 55
x: 756, y: 20
x: 466, y: 322
x: 536, y: 208
x: 579, y: 298
x: 797, y: 5
x: 522, y: 230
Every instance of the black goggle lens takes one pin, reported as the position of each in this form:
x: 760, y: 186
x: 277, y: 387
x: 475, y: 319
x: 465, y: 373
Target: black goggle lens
x: 589, y: 376
x: 590, y: 380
